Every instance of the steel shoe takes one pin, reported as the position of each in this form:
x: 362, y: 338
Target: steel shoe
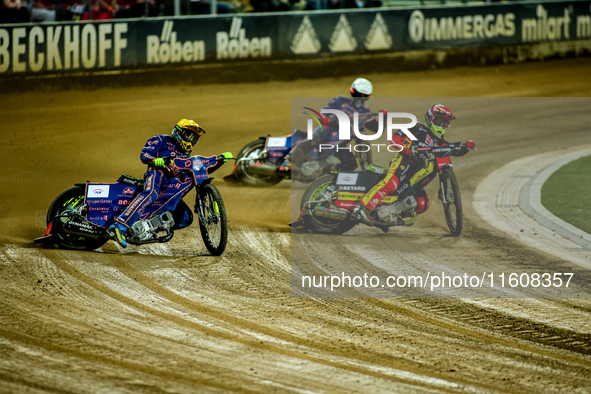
x: 118, y: 232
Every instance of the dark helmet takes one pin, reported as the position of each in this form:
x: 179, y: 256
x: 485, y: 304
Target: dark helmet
x: 186, y: 134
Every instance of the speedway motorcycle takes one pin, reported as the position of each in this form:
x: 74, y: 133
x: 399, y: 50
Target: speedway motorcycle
x: 79, y: 217
x: 268, y: 160
x: 327, y: 204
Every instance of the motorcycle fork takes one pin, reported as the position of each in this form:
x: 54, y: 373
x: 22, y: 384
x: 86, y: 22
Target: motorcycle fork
x: 442, y: 191
x: 200, y: 211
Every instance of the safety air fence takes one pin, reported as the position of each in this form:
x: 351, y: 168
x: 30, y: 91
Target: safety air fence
x: 73, y: 47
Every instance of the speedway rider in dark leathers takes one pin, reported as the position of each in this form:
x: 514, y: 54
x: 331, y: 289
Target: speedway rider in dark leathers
x: 156, y: 154
x: 404, y: 165
x: 361, y: 89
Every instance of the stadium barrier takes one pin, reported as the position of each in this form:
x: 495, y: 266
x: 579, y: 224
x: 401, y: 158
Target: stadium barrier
x: 65, y: 48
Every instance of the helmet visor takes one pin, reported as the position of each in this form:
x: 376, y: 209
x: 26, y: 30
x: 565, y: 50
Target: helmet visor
x: 189, y: 136
x: 355, y: 93
x: 441, y: 122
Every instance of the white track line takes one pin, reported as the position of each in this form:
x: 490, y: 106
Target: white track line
x: 509, y: 199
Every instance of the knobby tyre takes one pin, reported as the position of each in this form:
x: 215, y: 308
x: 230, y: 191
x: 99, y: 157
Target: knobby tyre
x: 315, y: 192
x: 68, y: 202
x: 254, y: 150
x: 213, y: 221
x: 453, y: 202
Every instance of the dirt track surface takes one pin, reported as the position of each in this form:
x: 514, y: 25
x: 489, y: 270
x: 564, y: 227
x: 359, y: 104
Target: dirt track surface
x: 170, y: 318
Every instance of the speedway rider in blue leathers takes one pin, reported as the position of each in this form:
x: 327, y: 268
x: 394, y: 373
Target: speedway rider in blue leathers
x: 360, y: 91
x: 156, y: 154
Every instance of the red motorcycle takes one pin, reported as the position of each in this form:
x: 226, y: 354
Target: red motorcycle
x: 327, y: 204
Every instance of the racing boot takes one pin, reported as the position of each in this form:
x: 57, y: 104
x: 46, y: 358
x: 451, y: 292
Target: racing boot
x: 361, y: 214
x: 118, y: 232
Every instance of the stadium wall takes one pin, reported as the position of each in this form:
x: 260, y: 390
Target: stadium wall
x: 277, y: 45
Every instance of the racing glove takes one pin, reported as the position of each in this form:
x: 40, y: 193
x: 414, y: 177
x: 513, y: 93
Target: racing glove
x: 159, y: 162
x: 467, y: 146
x: 408, y: 151
x: 226, y: 156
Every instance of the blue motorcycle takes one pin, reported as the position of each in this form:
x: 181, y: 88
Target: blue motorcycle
x: 268, y: 160
x: 79, y: 217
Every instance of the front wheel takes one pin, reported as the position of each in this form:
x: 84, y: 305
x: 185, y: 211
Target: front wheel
x: 213, y: 221
x: 68, y: 203
x: 452, y: 201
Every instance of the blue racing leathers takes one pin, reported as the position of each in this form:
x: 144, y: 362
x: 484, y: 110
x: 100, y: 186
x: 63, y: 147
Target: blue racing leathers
x: 155, y: 178
x: 330, y: 135
x: 349, y: 106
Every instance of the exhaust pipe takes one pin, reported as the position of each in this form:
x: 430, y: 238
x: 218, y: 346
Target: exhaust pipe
x: 331, y: 213
x: 262, y: 168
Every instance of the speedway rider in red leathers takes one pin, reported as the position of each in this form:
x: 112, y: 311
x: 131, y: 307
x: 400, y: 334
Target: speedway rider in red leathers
x: 156, y: 154
x: 404, y: 165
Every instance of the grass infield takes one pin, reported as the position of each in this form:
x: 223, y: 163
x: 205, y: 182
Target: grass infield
x: 567, y: 193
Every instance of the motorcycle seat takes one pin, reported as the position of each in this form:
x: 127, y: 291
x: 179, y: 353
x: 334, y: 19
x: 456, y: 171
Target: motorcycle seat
x: 377, y: 169
x: 130, y: 180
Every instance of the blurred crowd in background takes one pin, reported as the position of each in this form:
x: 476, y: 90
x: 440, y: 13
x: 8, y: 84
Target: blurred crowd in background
x: 22, y: 11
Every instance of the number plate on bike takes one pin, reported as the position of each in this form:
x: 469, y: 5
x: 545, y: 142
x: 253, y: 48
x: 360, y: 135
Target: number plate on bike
x: 347, y: 178
x: 276, y: 142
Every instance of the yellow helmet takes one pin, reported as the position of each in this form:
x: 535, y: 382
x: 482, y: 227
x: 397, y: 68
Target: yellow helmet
x: 186, y: 134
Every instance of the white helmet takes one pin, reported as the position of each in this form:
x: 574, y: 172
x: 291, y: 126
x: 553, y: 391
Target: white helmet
x: 361, y: 87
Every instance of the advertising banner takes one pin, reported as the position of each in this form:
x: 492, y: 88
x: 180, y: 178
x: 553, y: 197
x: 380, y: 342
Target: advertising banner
x: 125, y: 44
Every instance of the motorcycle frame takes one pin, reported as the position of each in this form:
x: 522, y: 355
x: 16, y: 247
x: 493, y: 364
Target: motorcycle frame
x: 199, y: 178
x: 440, y: 163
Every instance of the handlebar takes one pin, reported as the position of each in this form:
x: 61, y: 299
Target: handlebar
x: 446, y: 148
x: 439, y: 149
x: 185, y: 164
x: 222, y: 158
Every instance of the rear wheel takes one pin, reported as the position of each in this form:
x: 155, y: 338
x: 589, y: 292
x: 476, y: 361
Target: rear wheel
x: 69, y: 202
x: 213, y: 221
x: 320, y: 190
x: 253, y: 151
x: 452, y: 204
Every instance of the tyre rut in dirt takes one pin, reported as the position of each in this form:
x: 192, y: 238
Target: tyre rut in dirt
x: 214, y: 223
x: 244, y: 332
x: 320, y: 224
x: 253, y: 150
x: 453, y: 205
x: 68, y: 201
